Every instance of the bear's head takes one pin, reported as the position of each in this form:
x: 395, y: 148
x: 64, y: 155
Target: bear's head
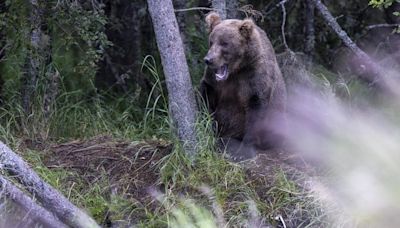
x: 228, y: 44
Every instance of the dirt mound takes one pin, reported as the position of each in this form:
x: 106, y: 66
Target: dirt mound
x: 130, y: 166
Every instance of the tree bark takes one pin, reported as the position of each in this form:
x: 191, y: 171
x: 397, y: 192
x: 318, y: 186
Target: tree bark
x: 32, y: 65
x: 51, y: 92
x: 35, y: 211
x: 309, y: 45
x: 181, y: 19
x: 137, y: 44
x: 181, y: 96
x: 46, y: 195
x: 232, y: 7
x: 52, y: 76
x: 119, y: 80
x: 373, y: 73
x: 220, y: 8
x: 3, y: 45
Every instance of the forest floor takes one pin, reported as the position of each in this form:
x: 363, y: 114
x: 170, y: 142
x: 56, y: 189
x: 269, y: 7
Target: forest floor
x: 120, y: 181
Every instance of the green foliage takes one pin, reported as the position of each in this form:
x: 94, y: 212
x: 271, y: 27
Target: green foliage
x: 382, y: 3
x: 79, y: 39
x: 189, y: 214
x: 386, y: 4
x: 76, y: 35
x: 13, y: 24
x: 156, y: 109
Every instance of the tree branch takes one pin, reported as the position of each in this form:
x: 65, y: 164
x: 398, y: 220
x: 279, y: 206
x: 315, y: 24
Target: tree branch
x: 194, y: 8
x: 309, y: 45
x: 381, y: 26
x: 282, y: 4
x: 373, y: 74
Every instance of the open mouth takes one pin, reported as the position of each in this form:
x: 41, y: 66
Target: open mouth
x: 221, y: 73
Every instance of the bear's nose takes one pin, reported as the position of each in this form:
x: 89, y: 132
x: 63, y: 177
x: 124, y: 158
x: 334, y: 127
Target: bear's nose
x: 208, y: 60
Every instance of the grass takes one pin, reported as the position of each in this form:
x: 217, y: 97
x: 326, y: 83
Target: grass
x: 211, y: 192
x: 184, y: 200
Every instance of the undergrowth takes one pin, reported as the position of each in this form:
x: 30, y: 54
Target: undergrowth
x: 209, y: 191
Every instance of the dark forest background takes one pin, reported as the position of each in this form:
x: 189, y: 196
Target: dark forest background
x: 102, y: 48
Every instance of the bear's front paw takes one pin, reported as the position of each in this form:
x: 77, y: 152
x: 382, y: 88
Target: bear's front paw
x: 236, y: 150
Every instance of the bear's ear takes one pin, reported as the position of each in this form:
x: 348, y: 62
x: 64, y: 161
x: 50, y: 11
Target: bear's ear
x: 246, y: 28
x: 212, y: 20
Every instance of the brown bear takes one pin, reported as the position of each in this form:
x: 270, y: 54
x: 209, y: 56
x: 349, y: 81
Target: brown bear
x: 243, y: 86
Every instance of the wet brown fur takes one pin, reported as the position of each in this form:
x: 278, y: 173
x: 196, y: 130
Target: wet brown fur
x: 251, y: 101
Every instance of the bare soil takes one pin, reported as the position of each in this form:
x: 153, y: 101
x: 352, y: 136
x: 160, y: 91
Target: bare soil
x: 131, y: 167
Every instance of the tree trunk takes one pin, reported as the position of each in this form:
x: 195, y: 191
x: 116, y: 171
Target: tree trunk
x: 373, y: 74
x: 3, y: 45
x: 137, y: 42
x: 309, y: 45
x: 51, y: 92
x: 52, y: 76
x: 232, y: 9
x: 39, y: 57
x: 32, y: 64
x: 46, y: 195
x: 181, y: 19
x: 119, y: 80
x: 181, y: 97
x: 36, y: 212
x: 220, y: 7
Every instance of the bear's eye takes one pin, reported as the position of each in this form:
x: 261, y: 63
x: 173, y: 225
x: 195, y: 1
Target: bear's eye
x: 224, y: 44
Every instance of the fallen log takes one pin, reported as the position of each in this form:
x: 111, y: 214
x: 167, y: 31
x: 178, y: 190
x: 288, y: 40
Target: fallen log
x: 49, y: 197
x: 35, y: 212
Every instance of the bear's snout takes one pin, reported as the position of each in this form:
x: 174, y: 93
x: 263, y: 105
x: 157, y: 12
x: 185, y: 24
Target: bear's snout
x: 208, y: 60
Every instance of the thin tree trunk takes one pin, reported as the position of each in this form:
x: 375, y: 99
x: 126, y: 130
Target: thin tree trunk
x: 181, y: 96
x: 232, y: 9
x: 35, y: 211
x: 38, y: 56
x: 309, y: 45
x: 373, y: 74
x: 1, y: 90
x: 137, y: 42
x: 52, y: 76
x: 220, y: 8
x: 3, y: 45
x: 32, y: 65
x: 46, y: 195
x: 51, y: 92
x: 181, y: 19
x: 120, y: 80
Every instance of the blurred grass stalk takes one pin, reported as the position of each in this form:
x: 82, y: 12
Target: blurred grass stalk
x: 358, y: 148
